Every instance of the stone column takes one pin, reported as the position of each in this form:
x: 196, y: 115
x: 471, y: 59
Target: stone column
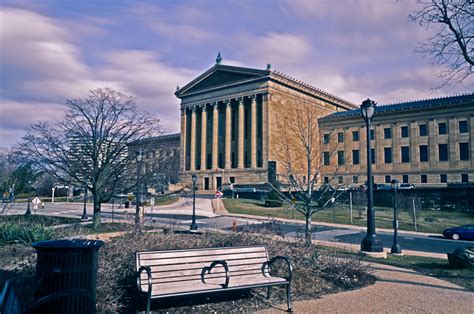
x: 215, y: 135
x: 228, y: 130
x: 253, y: 132
x: 192, y: 157
x: 203, y: 138
x: 265, y: 130
x: 241, y: 134
x: 183, y: 140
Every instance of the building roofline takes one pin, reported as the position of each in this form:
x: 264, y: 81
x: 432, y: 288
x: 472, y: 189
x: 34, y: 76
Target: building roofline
x: 406, y: 106
x: 160, y: 138
x: 269, y: 75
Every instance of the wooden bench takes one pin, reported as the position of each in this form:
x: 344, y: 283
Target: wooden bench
x: 164, y: 274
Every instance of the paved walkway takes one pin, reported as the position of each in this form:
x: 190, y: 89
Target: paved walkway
x: 396, y: 290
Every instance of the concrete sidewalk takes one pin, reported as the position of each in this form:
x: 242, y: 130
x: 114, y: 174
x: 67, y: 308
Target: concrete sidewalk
x: 396, y: 290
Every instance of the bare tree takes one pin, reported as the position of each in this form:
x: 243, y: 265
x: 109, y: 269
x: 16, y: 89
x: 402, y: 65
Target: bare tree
x: 452, y: 44
x: 89, y: 146
x: 298, y: 157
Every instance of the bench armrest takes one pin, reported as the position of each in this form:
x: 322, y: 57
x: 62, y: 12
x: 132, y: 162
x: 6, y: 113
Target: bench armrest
x: 272, y: 260
x: 148, y: 273
x: 214, y: 264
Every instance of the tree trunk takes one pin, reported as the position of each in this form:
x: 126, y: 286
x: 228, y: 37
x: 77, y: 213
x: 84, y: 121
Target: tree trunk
x: 308, y: 232
x: 96, y: 217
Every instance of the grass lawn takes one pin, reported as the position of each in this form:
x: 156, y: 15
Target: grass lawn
x: 432, y: 267
x: 166, y: 200
x: 427, y: 221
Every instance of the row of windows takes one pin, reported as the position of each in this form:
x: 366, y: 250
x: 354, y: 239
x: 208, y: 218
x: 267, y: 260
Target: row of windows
x: 404, y: 132
x: 443, y: 178
x: 443, y: 154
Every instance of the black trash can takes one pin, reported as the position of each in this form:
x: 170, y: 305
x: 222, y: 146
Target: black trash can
x: 127, y: 204
x: 67, y: 265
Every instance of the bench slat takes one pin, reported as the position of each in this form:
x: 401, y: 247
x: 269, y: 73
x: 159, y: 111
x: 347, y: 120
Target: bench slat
x: 242, y: 281
x: 177, y: 267
x: 201, y: 252
x: 215, y: 274
x: 158, y: 272
x: 207, y: 258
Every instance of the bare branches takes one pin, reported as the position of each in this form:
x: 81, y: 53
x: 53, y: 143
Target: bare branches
x: 452, y: 44
x: 89, y: 146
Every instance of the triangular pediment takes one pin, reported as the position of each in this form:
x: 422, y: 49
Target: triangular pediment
x: 218, y: 76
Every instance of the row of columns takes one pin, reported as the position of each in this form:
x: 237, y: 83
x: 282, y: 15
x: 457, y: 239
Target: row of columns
x: 215, y: 140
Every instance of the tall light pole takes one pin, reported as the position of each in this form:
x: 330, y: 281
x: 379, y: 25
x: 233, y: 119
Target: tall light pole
x: 395, y: 247
x: 137, y: 196
x: 28, y: 210
x: 194, y: 226
x: 84, y: 213
x: 370, y: 243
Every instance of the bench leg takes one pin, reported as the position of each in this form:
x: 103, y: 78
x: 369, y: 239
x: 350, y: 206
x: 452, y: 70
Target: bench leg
x: 269, y: 292
x: 288, y: 297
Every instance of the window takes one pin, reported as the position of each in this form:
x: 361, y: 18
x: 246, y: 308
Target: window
x: 424, y: 178
x: 326, y: 138
x: 405, y: 178
x: 387, y: 133
x: 387, y: 152
x: 463, y: 151
x: 442, y: 128
x: 355, y: 179
x: 424, y: 153
x: 326, y: 158
x: 340, y: 137
x: 464, y: 178
x: 355, y: 157
x: 443, y: 178
x: 404, y: 131
x: 340, y: 180
x: 405, y: 154
x: 423, y: 130
x: 388, y: 179
x: 355, y: 136
x: 340, y: 157
x: 326, y: 180
x: 372, y: 155
x: 443, y: 152
x: 372, y: 134
x: 463, y: 126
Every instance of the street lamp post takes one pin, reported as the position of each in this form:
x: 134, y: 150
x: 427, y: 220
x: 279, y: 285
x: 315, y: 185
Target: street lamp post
x: 194, y: 226
x: 395, y: 247
x: 84, y: 213
x: 371, y: 243
x: 28, y: 210
x: 137, y: 200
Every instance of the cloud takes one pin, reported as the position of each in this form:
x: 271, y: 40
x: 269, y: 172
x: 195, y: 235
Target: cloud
x: 278, y: 48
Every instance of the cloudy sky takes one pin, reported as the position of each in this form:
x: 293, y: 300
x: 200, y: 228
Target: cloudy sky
x: 55, y: 50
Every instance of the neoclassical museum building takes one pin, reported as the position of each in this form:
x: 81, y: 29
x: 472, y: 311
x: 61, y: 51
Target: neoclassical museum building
x: 228, y: 122
x: 230, y: 116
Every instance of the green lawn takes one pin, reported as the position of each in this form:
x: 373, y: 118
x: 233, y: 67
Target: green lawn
x: 427, y: 221
x: 166, y: 200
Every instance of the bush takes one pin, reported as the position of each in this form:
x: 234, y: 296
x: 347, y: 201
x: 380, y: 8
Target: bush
x: 273, y: 200
x: 25, y: 234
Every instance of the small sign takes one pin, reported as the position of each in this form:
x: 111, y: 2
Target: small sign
x: 218, y: 194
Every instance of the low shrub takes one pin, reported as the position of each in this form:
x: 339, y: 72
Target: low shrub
x: 314, y: 274
x: 273, y: 200
x: 25, y: 234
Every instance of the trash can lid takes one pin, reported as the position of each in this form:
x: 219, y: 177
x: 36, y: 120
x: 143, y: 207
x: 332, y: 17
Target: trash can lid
x: 74, y: 244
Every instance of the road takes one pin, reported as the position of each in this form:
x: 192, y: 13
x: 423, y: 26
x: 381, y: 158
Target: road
x: 180, y: 213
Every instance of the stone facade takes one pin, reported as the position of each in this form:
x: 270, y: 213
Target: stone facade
x: 429, y: 142
x: 229, y: 117
x: 160, y: 164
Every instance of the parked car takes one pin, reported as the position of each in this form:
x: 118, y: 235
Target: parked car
x: 384, y: 187
x: 406, y: 186
x: 465, y: 232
